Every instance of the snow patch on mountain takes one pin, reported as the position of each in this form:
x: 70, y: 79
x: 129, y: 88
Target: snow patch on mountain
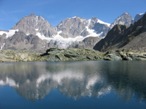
x: 58, y: 37
x: 9, y: 33
x: 138, y: 16
x: 2, y: 46
x: 61, y: 42
x: 101, y: 22
x: 90, y: 31
x: 36, y: 29
x: 141, y: 13
x: 97, y: 28
x: 42, y: 37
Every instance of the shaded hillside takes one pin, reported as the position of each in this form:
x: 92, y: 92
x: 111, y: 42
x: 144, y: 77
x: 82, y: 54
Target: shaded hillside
x: 133, y: 37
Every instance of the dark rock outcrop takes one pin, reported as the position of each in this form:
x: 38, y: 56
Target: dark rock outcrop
x: 137, y: 17
x: 71, y: 54
x: 126, y: 55
x: 113, y: 38
x: 120, y: 37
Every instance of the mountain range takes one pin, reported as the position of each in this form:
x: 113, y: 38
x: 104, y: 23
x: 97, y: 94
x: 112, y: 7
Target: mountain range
x: 122, y: 37
x: 34, y: 32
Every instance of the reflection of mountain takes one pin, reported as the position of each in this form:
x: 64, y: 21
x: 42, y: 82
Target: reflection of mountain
x: 129, y: 80
x: 36, y: 80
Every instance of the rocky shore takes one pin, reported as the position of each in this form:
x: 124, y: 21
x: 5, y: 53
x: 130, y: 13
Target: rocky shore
x: 19, y: 56
x: 128, y: 55
x: 72, y: 54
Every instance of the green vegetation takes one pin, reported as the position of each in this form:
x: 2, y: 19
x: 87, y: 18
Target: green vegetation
x: 72, y: 54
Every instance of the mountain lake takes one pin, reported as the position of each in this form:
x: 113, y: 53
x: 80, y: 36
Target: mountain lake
x: 73, y: 85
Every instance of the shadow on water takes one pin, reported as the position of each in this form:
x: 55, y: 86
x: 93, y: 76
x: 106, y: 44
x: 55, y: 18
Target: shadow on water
x: 128, y: 78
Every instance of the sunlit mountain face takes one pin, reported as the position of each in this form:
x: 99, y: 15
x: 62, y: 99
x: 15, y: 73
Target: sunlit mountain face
x: 34, y: 32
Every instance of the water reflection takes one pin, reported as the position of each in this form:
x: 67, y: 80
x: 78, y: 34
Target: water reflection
x: 128, y: 78
x: 75, y: 79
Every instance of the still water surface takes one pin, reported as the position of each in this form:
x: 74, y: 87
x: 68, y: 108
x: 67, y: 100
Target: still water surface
x: 73, y: 85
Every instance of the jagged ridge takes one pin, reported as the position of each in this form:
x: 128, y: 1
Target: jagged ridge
x: 127, y: 38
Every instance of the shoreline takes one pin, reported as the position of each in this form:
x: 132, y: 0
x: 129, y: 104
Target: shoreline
x: 71, y: 54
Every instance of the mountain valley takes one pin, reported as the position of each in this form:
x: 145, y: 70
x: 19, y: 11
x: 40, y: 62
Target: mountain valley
x: 74, y: 39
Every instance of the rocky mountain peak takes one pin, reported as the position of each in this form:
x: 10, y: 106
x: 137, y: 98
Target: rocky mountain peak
x: 76, y: 26
x: 100, y: 28
x: 76, y: 17
x: 142, y: 21
x: 93, y: 20
x: 125, y: 13
x: 33, y: 24
x: 35, y: 32
x: 72, y: 27
x: 123, y: 19
x: 138, y: 16
x: 120, y: 37
x: 96, y: 20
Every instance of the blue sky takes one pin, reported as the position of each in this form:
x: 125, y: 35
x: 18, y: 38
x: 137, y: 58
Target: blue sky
x: 11, y: 11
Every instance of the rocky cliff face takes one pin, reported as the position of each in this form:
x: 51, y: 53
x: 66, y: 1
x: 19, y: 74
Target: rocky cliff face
x: 76, y: 26
x: 35, y: 33
x: 130, y: 38
x: 137, y: 17
x: 113, y: 37
x: 21, y: 41
x: 101, y: 28
x: 72, y: 27
x: 35, y: 25
x: 124, y: 19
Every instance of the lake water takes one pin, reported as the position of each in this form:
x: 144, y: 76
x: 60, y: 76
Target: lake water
x: 73, y: 85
